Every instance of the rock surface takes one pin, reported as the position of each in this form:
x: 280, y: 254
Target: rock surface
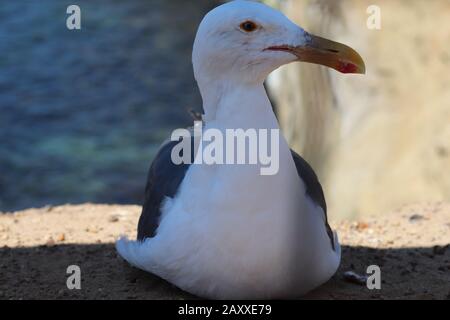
x: 382, y: 139
x: 410, y: 245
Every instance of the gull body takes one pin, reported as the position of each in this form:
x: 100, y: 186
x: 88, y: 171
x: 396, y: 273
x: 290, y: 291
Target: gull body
x: 226, y: 231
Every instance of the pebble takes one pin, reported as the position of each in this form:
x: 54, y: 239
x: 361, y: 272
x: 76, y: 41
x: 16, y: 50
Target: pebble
x: 61, y: 237
x: 416, y: 217
x: 91, y: 230
x: 360, y: 226
x: 113, y: 218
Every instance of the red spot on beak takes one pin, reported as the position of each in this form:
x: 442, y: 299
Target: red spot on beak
x: 346, y: 67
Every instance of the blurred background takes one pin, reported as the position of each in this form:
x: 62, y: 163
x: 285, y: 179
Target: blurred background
x: 382, y: 140
x: 82, y: 113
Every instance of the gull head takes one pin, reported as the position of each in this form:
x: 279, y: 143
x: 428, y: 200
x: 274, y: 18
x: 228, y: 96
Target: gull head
x: 244, y: 41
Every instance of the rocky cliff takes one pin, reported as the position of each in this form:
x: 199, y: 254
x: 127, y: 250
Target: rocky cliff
x: 383, y: 139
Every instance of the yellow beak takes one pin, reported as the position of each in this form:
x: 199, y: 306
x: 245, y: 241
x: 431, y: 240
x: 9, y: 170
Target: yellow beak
x: 328, y: 53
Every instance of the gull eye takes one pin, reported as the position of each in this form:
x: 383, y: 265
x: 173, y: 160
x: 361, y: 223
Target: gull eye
x: 248, y: 26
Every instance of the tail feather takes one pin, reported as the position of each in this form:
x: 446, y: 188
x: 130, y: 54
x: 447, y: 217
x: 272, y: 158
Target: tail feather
x: 135, y: 252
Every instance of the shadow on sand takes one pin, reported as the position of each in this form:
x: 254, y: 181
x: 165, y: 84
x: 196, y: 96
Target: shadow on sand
x: 40, y: 273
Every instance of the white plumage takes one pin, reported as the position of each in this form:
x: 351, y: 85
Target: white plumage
x: 230, y: 232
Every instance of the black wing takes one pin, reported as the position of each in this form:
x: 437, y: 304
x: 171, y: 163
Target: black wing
x: 163, y: 180
x: 313, y: 188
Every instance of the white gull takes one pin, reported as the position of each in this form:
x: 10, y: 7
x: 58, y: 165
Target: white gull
x: 226, y: 231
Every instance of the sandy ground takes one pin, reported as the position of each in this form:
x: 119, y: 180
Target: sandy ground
x: 411, y: 246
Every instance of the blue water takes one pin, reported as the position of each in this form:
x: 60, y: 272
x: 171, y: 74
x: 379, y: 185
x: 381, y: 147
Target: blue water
x: 83, y: 112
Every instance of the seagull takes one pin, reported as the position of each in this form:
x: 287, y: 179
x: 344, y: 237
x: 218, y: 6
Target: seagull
x: 226, y: 231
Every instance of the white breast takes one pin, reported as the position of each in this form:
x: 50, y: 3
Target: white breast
x: 231, y: 232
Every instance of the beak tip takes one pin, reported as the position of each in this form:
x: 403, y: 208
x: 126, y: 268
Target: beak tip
x: 362, y: 69
x: 357, y: 67
x: 351, y: 68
